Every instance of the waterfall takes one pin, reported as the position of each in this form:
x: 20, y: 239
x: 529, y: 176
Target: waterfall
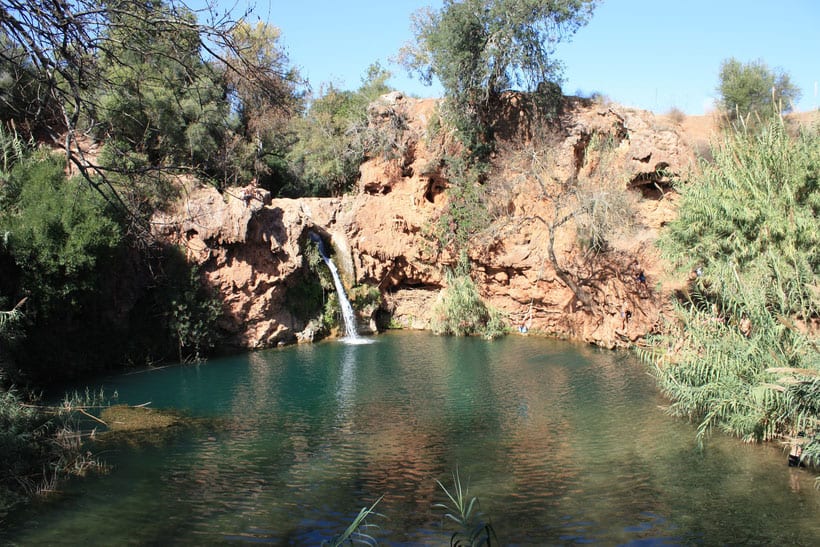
x: 347, y: 310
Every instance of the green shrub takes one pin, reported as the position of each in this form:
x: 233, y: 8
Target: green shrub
x: 59, y: 231
x: 466, y: 214
x: 737, y: 358
x: 158, y: 96
x: 192, y: 315
x: 333, y: 139
x: 460, y: 311
x: 753, y: 89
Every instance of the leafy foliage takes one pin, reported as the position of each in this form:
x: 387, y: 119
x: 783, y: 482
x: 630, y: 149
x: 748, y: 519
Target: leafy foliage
x: 754, y: 89
x: 23, y: 102
x: 161, y: 100
x: 332, y: 137
x: 193, y: 312
x: 13, y: 148
x: 313, y: 297
x: 66, y: 253
x: 148, y: 77
x: 743, y: 355
x: 59, y: 231
x: 466, y: 214
x: 265, y: 102
x: 479, y: 48
x: 61, y: 240
x: 460, y: 311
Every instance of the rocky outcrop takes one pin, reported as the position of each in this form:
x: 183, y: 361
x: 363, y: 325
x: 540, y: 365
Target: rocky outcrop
x: 252, y: 251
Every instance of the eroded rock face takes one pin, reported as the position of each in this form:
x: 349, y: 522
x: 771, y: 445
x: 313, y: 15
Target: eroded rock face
x: 252, y: 252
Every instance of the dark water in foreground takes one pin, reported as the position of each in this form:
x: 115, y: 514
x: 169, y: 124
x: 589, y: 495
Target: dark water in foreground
x: 562, y: 444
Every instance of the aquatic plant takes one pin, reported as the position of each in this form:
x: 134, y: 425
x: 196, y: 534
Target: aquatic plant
x: 463, y: 510
x: 460, y: 311
x: 354, y: 533
x: 42, y: 445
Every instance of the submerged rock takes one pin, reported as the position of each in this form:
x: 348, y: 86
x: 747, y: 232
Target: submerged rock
x: 137, y: 418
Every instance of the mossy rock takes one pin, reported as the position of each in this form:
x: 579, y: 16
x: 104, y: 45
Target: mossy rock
x: 136, y: 418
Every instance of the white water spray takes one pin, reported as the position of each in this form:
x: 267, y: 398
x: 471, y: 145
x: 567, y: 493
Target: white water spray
x: 348, y: 316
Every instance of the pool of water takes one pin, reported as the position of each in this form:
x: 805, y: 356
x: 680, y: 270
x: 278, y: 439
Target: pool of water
x: 560, y: 443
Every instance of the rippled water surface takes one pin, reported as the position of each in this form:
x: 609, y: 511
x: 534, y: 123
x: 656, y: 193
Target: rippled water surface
x: 561, y: 444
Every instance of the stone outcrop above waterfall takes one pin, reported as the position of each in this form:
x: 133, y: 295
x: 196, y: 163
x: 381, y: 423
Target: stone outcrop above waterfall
x: 252, y: 253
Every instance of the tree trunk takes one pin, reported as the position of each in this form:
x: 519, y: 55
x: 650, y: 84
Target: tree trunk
x: 564, y: 275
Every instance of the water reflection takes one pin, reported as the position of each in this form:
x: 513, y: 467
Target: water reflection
x: 562, y: 444
x: 346, y: 392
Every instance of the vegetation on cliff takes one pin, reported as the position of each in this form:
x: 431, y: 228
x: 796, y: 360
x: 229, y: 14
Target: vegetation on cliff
x: 741, y: 353
x: 479, y: 48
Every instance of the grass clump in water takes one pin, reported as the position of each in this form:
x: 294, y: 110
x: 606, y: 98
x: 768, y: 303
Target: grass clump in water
x: 460, y: 311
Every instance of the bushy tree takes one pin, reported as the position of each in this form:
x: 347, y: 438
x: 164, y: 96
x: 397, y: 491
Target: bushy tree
x: 59, y: 231
x: 150, y: 72
x: 264, y: 103
x: 61, y: 240
x: 754, y: 88
x: 479, y: 48
x: 332, y: 139
x: 160, y: 99
x: 742, y: 354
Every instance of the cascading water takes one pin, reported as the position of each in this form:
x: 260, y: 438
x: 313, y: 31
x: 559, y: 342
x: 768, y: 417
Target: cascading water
x: 347, y: 310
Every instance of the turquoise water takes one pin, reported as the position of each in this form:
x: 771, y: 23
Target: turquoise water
x: 562, y: 444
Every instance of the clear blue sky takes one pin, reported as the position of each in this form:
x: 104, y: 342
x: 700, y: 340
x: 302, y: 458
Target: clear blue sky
x: 651, y: 54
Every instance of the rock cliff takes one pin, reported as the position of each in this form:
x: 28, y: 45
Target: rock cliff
x: 251, y: 248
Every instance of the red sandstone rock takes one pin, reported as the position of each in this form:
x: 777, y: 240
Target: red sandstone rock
x: 251, y: 253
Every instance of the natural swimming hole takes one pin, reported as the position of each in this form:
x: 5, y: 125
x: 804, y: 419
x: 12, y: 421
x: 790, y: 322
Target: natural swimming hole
x: 560, y: 443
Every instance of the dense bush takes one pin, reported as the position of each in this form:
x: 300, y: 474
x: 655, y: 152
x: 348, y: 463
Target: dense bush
x: 460, y: 311
x: 93, y: 300
x: 332, y: 138
x: 743, y: 355
x: 59, y: 231
x: 160, y: 99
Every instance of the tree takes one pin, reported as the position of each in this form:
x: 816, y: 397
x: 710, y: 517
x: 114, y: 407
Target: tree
x: 161, y: 101
x: 479, y: 48
x: 332, y: 136
x: 64, y: 43
x: 265, y: 102
x: 594, y: 204
x: 753, y: 88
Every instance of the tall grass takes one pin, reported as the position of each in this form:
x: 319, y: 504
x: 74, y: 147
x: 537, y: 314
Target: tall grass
x: 41, y: 445
x: 13, y: 148
x: 460, y: 311
x: 741, y: 354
